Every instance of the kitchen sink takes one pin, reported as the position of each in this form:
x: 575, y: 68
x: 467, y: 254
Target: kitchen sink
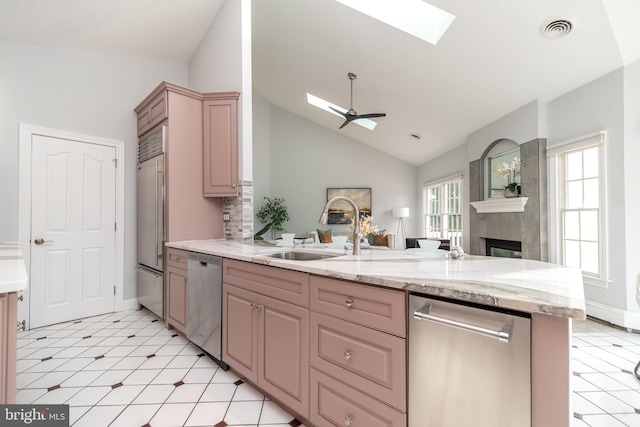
x: 300, y: 256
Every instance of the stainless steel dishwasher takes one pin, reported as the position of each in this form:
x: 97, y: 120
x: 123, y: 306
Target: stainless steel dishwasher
x: 469, y: 365
x: 204, y: 303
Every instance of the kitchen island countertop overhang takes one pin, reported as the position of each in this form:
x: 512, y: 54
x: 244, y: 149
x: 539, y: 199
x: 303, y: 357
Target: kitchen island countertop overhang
x: 517, y: 284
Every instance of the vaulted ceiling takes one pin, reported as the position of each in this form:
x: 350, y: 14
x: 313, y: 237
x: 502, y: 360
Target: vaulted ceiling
x: 491, y: 61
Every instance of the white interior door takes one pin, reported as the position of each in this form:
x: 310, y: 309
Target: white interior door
x: 73, y: 237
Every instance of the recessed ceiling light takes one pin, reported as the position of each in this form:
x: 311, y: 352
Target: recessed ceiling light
x: 415, y: 17
x: 321, y: 103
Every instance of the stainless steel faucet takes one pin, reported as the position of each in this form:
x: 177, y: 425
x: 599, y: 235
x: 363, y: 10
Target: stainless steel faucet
x: 356, y: 221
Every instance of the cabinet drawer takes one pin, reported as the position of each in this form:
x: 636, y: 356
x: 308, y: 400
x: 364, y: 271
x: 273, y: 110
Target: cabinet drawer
x: 381, y: 309
x: 177, y: 258
x: 285, y: 285
x: 371, y: 361
x: 335, y: 404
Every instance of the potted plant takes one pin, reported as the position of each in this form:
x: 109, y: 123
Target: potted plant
x: 510, y: 171
x: 273, y: 213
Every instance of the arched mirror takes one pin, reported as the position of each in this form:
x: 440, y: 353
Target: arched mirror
x: 499, y: 159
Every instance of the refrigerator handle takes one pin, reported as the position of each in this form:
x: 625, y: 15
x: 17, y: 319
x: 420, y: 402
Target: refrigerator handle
x: 503, y: 335
x: 159, y: 208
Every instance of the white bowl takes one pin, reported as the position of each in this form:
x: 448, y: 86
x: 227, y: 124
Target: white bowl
x: 340, y: 240
x: 288, y: 236
x: 428, y: 245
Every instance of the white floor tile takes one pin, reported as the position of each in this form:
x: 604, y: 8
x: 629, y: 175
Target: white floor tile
x: 630, y: 397
x: 582, y: 406
x: 169, y: 350
x: 99, y: 416
x: 187, y: 393
x: 154, y: 393
x: 74, y: 365
x: 631, y: 420
x: 71, y: 352
x: 103, y: 364
x: 136, y: 341
x: 111, y: 377
x: 135, y: 415
x: 123, y: 395
x: 170, y: 376
x: 156, y: 362
x: 245, y: 392
x: 131, y: 362
x: 603, y: 381
x: 141, y: 377
x: 224, y: 377
x: 222, y: 392
x: 98, y: 350
x: 46, y: 365
x: 24, y: 379
x: 274, y: 414
x: 241, y: 413
x: 145, y: 350
x: 27, y: 396
x: 206, y: 362
x: 24, y: 364
x: 81, y: 379
x: 207, y: 414
x: 75, y: 412
x: 199, y: 375
x: 182, y: 361
x: 51, y: 379
x: 158, y: 340
x: 607, y: 402
x: 89, y: 396
x: 171, y: 415
x: 58, y: 396
x: 580, y: 384
x: 120, y: 351
x: 602, y: 420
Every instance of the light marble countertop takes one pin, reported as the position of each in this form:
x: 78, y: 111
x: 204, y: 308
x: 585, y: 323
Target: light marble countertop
x: 517, y: 284
x: 13, y: 274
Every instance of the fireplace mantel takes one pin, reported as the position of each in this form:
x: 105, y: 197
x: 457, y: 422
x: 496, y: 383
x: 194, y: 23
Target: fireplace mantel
x: 513, y: 204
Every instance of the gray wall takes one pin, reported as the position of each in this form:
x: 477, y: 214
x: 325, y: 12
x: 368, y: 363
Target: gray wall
x: 79, y: 92
x: 306, y: 159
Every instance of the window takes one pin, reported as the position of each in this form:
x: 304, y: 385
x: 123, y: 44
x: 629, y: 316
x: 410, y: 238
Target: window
x: 578, y: 206
x: 443, y: 210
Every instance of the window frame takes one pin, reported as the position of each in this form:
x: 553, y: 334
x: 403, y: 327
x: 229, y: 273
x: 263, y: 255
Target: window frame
x: 425, y: 207
x: 556, y: 205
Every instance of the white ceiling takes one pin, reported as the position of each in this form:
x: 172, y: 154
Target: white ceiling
x: 491, y: 61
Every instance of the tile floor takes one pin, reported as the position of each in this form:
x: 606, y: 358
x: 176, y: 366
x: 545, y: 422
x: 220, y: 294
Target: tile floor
x: 126, y: 369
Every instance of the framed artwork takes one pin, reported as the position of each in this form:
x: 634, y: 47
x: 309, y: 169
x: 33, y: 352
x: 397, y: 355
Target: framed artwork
x: 341, y: 212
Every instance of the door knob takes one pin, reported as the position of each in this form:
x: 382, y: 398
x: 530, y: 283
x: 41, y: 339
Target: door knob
x: 39, y: 241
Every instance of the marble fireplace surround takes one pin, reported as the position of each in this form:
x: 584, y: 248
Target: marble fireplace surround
x: 528, y: 227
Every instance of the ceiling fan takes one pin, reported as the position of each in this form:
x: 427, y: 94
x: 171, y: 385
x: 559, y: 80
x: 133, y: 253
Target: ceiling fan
x: 351, y: 114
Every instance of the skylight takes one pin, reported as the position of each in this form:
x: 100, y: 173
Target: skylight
x: 416, y: 17
x: 321, y: 103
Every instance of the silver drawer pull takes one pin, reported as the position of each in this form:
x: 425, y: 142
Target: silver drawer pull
x: 503, y: 335
x: 349, y: 303
x: 347, y: 354
x: 348, y: 420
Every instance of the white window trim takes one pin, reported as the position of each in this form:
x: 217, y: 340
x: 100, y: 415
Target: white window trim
x: 456, y: 177
x: 553, y: 152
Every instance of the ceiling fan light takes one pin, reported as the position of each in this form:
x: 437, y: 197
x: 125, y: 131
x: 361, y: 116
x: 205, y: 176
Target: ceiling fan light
x: 321, y: 103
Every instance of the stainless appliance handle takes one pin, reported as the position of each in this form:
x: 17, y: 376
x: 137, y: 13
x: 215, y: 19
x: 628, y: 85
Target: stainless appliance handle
x: 148, y: 271
x: 159, y: 209
x: 503, y: 335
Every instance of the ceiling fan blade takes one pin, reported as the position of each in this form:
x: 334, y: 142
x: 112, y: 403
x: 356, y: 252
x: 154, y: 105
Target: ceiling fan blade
x: 338, y: 111
x: 370, y: 115
x: 346, y: 122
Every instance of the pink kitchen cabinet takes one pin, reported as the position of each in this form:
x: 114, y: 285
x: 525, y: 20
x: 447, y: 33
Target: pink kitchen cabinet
x: 176, y: 297
x: 265, y: 337
x: 8, y: 343
x: 220, y: 144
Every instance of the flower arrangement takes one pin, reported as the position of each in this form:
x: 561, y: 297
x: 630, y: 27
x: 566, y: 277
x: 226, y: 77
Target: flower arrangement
x: 510, y: 171
x: 366, y: 227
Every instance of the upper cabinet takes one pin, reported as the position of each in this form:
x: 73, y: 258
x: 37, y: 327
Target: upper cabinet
x: 220, y: 144
x: 154, y: 112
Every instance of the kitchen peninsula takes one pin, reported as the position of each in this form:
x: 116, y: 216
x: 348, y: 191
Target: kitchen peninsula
x: 322, y: 304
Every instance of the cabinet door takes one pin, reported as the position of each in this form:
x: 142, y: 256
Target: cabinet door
x: 8, y: 342
x: 240, y: 331
x: 283, y: 360
x: 177, y: 298
x: 220, y: 147
x: 153, y: 113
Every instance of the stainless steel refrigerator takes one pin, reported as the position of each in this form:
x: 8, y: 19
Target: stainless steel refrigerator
x: 150, y: 221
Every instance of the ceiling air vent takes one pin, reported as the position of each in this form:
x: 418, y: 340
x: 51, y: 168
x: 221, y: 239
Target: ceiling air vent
x: 558, y: 28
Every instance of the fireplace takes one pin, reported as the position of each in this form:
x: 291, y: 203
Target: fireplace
x: 503, y: 248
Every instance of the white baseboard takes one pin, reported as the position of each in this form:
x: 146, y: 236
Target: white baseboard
x: 130, y: 304
x: 616, y: 316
